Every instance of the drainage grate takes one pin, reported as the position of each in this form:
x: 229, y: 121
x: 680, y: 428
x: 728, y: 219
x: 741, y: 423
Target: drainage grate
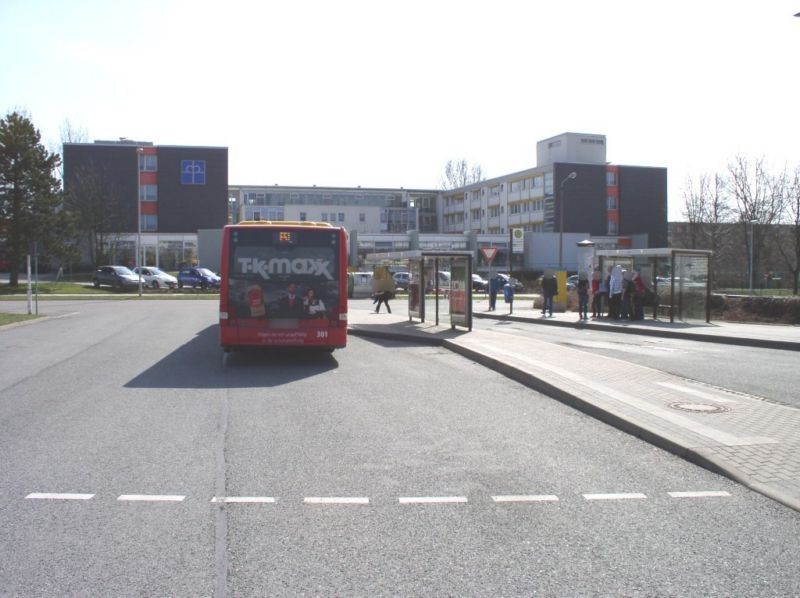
x: 699, y: 407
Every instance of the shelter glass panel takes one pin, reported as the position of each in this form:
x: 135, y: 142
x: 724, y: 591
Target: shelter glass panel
x: 691, y: 286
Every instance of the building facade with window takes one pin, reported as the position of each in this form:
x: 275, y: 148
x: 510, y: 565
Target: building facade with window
x: 601, y: 199
x: 362, y: 210
x: 172, y: 192
x: 165, y: 192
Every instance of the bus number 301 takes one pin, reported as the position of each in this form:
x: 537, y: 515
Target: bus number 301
x: 322, y: 334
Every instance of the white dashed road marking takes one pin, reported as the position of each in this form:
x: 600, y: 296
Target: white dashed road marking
x: 243, y: 499
x: 700, y: 494
x: 364, y: 500
x: 526, y: 498
x: 428, y: 500
x: 59, y: 496
x: 151, y: 497
x: 336, y: 500
x: 617, y: 496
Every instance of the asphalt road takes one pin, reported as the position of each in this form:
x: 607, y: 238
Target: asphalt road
x: 384, y: 469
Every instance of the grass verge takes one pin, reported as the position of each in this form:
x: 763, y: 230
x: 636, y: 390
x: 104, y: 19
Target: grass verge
x: 57, y: 290
x: 14, y: 318
x: 49, y: 288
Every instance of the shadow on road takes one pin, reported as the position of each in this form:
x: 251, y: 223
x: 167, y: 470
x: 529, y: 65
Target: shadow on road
x: 201, y: 364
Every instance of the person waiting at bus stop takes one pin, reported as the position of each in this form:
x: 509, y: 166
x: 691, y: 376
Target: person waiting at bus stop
x: 615, y: 282
x: 549, y: 291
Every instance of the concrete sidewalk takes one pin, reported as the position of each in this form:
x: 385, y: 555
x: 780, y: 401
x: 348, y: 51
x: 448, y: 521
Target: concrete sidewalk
x: 746, y: 438
x: 770, y: 336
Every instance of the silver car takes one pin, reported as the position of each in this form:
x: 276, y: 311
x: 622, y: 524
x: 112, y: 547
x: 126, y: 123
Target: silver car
x: 155, y: 278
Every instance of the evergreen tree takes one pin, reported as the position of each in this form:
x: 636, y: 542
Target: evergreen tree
x: 30, y: 192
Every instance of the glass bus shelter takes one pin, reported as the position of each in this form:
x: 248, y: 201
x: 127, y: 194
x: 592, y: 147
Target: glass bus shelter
x: 440, y: 283
x: 677, y: 278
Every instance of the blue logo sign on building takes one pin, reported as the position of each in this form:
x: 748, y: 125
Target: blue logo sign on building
x: 193, y: 172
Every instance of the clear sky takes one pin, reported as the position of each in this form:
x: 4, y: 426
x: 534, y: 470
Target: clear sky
x: 383, y: 94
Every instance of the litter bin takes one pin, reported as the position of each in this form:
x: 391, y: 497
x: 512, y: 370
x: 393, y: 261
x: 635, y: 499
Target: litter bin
x: 508, y: 293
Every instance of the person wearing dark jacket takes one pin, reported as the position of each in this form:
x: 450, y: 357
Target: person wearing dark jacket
x: 382, y: 297
x: 495, y: 284
x: 583, y: 296
x: 549, y: 291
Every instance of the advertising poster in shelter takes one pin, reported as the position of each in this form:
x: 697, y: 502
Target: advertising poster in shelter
x: 415, y: 302
x: 460, y: 292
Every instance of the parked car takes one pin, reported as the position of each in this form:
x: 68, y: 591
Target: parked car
x: 359, y: 284
x: 479, y: 284
x: 155, y: 278
x: 401, y: 280
x: 116, y: 277
x: 197, y: 277
x: 572, y: 282
x: 442, y: 281
x: 518, y: 288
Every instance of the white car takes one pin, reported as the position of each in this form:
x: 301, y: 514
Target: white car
x: 155, y: 278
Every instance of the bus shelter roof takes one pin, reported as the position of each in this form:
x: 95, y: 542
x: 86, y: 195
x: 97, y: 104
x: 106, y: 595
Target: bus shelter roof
x: 656, y: 252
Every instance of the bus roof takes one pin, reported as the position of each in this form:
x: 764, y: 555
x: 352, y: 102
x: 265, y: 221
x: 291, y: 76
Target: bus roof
x: 282, y: 223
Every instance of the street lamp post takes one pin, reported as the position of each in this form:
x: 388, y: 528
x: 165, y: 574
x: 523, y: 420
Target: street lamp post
x: 752, y: 226
x: 139, y: 153
x: 412, y: 203
x: 571, y: 175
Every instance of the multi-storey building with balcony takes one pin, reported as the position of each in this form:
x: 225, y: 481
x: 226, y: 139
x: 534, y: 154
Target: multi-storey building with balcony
x: 600, y: 199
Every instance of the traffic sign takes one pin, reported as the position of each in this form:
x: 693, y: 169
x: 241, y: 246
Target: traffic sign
x: 489, y: 253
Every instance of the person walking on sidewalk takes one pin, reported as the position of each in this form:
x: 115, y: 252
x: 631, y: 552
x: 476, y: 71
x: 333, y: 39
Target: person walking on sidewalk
x: 583, y: 296
x: 495, y: 283
x: 549, y: 291
x: 382, y: 297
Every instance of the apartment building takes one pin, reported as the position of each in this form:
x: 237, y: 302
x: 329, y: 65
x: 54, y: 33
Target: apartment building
x: 571, y: 189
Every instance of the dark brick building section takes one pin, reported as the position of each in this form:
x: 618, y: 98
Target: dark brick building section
x: 182, y: 205
x: 643, y: 203
x: 638, y: 200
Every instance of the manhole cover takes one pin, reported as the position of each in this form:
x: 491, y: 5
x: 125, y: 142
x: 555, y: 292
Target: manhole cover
x: 699, y: 407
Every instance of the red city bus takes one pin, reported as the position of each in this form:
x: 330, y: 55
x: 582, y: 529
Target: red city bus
x: 284, y: 284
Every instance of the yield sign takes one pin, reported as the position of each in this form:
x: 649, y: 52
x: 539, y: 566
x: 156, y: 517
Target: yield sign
x: 489, y: 253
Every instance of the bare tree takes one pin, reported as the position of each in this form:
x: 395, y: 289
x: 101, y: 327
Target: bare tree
x: 707, y: 211
x: 789, y: 234
x: 706, y: 208
x: 73, y: 134
x: 758, y: 196
x: 458, y: 173
x: 69, y: 134
x: 95, y: 206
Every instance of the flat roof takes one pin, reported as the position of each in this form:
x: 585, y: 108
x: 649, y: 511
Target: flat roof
x: 655, y: 252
